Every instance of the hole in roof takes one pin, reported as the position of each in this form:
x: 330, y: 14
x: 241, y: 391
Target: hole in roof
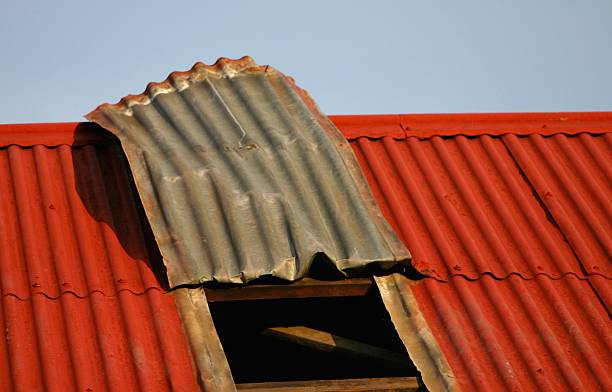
x: 302, y: 339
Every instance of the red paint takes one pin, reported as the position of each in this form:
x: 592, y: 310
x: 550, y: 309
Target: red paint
x: 90, y: 241
x: 81, y: 307
x: 532, y: 315
x: 473, y: 124
x: 573, y: 178
x: 518, y: 300
x: 462, y: 208
x: 53, y: 134
x: 539, y: 334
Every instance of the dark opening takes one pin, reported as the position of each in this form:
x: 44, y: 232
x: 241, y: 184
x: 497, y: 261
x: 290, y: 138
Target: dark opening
x: 256, y: 356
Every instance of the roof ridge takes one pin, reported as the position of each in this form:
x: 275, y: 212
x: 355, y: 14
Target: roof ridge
x: 400, y: 126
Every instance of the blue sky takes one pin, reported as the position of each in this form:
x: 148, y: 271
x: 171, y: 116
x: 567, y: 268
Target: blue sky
x: 60, y: 59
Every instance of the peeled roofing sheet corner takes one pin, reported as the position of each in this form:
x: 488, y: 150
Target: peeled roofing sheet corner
x: 242, y: 176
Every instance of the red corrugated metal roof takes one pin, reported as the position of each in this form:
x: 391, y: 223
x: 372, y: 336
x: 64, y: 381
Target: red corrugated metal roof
x: 473, y: 124
x: 516, y: 301
x: 81, y: 307
x: 462, y: 208
x: 519, y: 334
x: 572, y: 177
x: 513, y: 224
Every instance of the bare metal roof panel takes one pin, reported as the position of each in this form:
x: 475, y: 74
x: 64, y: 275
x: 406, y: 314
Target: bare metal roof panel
x: 242, y: 176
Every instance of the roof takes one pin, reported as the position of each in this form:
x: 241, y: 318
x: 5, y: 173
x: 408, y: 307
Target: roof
x: 241, y: 176
x: 81, y: 305
x: 517, y: 262
x: 513, y: 228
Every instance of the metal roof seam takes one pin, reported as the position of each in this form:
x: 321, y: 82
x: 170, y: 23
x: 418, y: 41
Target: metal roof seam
x: 535, y: 181
x: 81, y: 296
x: 429, y: 183
x: 350, y: 136
x: 74, y: 134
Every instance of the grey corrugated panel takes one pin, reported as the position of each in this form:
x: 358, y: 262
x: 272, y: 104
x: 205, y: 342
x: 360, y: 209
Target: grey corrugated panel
x: 242, y: 176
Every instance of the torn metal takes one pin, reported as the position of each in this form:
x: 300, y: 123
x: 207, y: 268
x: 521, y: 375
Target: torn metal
x: 415, y: 333
x: 242, y: 176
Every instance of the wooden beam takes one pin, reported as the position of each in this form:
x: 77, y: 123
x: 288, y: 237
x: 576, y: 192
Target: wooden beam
x: 324, y: 341
x: 387, y: 384
x: 304, y: 288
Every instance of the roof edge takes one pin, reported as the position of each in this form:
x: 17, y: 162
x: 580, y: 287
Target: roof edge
x: 180, y: 80
x: 400, y: 126
x: 397, y: 126
x: 54, y: 134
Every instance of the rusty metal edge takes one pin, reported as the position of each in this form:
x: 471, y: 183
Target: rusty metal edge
x: 212, y: 369
x: 177, y: 81
x: 415, y: 333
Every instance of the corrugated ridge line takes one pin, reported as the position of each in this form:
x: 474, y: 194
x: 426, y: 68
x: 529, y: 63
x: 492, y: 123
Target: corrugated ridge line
x: 54, y: 134
x: 400, y: 126
x: 76, y: 295
x: 573, y: 179
x: 538, y: 334
x: 229, y: 106
x: 181, y: 80
x: 462, y: 208
x: 51, y: 242
x: 352, y: 126
x: 125, y: 343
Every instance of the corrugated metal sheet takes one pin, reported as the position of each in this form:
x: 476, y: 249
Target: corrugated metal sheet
x: 81, y: 307
x: 241, y: 176
x: 495, y: 333
x: 573, y: 178
x: 70, y: 223
x: 463, y: 208
x: 472, y: 124
x: 515, y: 303
x: 539, y: 334
x: 126, y: 342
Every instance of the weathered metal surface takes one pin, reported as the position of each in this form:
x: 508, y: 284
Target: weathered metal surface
x: 518, y: 304
x: 415, y: 332
x: 54, y: 134
x: 464, y: 207
x: 70, y: 223
x: 80, y: 305
x: 539, y: 334
x: 545, y: 333
x: 213, y: 370
x: 241, y: 176
x: 400, y: 126
x: 572, y: 177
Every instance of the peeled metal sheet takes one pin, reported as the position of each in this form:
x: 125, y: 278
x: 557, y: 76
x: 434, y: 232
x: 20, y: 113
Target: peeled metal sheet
x: 241, y: 176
